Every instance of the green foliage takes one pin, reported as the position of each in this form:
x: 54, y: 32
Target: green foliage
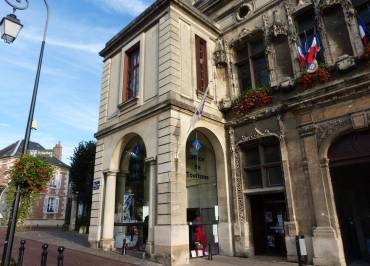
x: 32, y: 174
x: 82, y: 174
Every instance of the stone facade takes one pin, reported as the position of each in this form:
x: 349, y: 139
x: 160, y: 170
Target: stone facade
x: 304, y: 122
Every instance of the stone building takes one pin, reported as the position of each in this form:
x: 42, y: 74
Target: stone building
x: 50, y: 209
x: 279, y: 151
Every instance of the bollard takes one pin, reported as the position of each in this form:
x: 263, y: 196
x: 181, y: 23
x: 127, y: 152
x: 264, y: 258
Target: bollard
x: 21, y: 253
x: 44, y: 254
x: 210, y: 251
x: 60, y: 259
x: 124, y: 247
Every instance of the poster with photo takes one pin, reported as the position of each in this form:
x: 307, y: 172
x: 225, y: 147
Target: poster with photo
x: 128, y: 207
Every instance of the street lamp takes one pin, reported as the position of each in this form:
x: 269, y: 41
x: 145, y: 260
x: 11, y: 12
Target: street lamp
x: 10, y: 27
x: 10, y: 32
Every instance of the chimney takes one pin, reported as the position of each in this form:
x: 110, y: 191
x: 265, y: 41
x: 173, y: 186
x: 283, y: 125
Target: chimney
x: 58, y: 151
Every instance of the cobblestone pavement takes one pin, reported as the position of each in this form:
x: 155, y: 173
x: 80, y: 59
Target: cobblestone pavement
x: 76, y: 254
x: 79, y: 254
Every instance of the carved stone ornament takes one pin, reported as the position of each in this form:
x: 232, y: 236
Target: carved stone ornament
x: 328, y: 128
x: 327, y: 4
x: 257, y: 134
x: 237, y: 176
x: 278, y: 28
x: 219, y: 55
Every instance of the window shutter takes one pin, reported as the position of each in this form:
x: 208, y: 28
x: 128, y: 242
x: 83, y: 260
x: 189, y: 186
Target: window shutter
x: 201, y: 63
x: 45, y: 207
x: 125, y: 77
x: 205, y: 65
x: 197, y: 60
x: 56, y: 207
x: 59, y: 181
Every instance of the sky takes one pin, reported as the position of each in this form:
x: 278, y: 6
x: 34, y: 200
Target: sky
x: 68, y: 97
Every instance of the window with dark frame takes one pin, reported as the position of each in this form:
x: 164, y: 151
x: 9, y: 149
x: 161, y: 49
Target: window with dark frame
x: 201, y: 63
x: 305, y: 24
x: 251, y: 60
x: 131, y: 73
x: 263, y: 167
x: 244, y: 71
x: 259, y: 61
x: 362, y: 7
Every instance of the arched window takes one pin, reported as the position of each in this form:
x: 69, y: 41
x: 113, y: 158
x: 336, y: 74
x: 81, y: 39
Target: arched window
x: 201, y: 183
x: 132, y: 196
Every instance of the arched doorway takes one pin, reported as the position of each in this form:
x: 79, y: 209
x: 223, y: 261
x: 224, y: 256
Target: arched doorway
x: 349, y: 159
x: 202, y: 195
x: 131, y: 214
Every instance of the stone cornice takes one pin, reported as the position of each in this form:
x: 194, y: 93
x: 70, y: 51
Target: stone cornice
x: 150, y: 112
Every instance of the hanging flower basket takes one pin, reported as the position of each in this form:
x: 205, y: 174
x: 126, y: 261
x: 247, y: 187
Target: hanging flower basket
x: 254, y: 98
x: 31, y: 173
x: 322, y: 75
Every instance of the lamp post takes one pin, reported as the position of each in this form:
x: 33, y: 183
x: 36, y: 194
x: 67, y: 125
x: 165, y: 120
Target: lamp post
x: 10, y: 27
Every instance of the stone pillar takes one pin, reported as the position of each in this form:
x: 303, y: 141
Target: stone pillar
x: 327, y: 243
x: 152, y: 163
x: 72, y: 221
x: 107, y: 241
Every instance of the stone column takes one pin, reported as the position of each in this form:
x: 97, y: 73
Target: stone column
x: 72, y: 221
x: 152, y: 163
x: 327, y: 242
x: 107, y: 242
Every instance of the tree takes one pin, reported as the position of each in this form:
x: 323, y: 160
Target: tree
x: 82, y: 175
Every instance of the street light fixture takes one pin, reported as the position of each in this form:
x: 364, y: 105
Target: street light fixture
x: 10, y: 27
x: 10, y: 32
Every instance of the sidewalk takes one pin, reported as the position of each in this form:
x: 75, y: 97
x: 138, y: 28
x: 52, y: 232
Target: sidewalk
x: 235, y: 261
x: 79, y: 253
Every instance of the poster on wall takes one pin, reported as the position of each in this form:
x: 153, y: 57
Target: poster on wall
x: 128, y: 207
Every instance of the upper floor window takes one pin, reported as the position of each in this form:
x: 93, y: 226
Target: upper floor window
x: 363, y: 9
x: 263, y: 165
x: 55, y: 181
x: 252, y: 67
x: 51, y: 204
x: 306, y: 29
x: 131, y: 73
x: 201, y: 63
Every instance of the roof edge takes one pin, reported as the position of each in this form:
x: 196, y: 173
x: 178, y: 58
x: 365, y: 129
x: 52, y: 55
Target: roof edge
x: 146, y: 14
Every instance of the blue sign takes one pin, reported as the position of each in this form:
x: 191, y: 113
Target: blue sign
x: 96, y: 184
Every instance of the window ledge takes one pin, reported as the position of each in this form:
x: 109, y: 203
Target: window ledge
x: 200, y: 95
x: 263, y: 190
x: 128, y: 103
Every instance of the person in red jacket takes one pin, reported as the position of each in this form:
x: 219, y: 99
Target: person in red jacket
x: 199, y: 235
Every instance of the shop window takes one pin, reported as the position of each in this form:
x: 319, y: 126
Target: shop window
x: 337, y: 32
x: 263, y: 165
x: 201, y: 63
x: 284, y: 68
x: 131, y: 73
x: 202, y: 195
x: 252, y: 67
x: 132, y: 197
x: 306, y: 28
x: 362, y: 8
x: 51, y: 204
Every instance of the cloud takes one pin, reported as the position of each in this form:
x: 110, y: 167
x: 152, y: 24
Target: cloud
x: 131, y: 7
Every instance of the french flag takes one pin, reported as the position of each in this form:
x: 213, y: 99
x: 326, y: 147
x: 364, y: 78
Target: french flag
x: 301, y: 54
x: 313, y: 50
x: 364, y: 32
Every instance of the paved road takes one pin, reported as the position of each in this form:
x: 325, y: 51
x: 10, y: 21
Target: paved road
x: 71, y: 257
